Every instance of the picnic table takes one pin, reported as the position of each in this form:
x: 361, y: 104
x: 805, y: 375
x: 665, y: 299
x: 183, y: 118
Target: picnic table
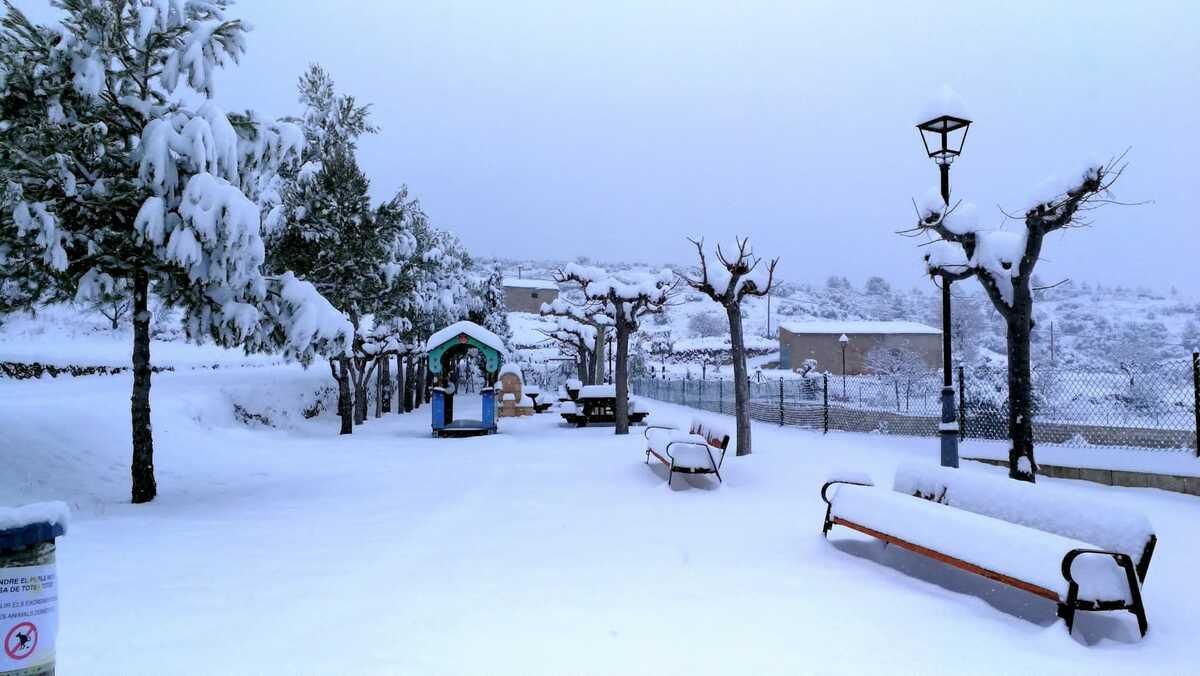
x: 597, y: 404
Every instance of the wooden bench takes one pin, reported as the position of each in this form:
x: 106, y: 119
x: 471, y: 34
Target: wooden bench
x: 700, y: 450
x: 1090, y: 557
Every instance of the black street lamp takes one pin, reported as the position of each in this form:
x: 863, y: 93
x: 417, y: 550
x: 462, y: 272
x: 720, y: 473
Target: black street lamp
x: 844, y: 340
x: 947, y: 134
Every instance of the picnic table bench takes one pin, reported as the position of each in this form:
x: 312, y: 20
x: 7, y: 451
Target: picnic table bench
x: 534, y: 394
x: 1081, y: 555
x: 598, y: 404
x: 699, y: 450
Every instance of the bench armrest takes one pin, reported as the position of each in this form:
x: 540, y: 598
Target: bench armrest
x: 829, y: 504
x: 695, y: 444
x: 827, y: 484
x: 1123, y: 560
x: 647, y: 428
x: 1072, y: 602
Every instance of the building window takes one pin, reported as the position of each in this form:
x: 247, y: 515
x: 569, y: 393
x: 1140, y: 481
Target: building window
x: 534, y: 294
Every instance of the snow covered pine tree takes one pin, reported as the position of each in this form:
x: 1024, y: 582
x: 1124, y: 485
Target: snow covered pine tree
x: 326, y: 232
x: 1003, y: 261
x: 112, y: 179
x: 727, y: 284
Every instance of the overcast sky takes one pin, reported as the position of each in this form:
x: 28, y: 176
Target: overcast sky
x: 616, y: 129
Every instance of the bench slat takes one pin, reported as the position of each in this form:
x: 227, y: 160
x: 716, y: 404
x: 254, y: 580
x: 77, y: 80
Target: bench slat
x: 957, y: 563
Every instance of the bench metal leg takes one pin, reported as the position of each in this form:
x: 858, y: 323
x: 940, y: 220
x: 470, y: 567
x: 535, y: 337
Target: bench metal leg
x: 1135, y: 595
x: 1067, y: 612
x: 1067, y: 609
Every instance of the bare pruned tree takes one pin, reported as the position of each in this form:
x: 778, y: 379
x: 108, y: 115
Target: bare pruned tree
x: 624, y: 300
x: 1003, y: 261
x: 588, y: 314
x: 576, y: 341
x: 738, y: 276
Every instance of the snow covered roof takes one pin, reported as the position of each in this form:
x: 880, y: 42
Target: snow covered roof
x: 522, y: 283
x: 857, y: 327
x: 471, y: 329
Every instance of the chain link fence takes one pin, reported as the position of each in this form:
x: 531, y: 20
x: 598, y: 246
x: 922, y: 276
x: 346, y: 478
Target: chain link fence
x: 1151, y: 406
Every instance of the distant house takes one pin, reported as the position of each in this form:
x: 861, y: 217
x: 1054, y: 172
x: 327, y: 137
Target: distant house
x: 820, y: 340
x: 527, y: 295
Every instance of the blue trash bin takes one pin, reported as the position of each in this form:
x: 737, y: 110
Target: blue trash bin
x: 29, y: 587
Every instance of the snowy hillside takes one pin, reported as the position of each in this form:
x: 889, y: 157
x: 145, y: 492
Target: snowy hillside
x: 1093, y: 327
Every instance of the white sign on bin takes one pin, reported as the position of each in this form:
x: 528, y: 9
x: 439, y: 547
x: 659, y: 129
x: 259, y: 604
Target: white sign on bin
x: 28, y: 616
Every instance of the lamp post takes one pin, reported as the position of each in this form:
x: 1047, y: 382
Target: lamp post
x: 844, y: 340
x: 947, y: 133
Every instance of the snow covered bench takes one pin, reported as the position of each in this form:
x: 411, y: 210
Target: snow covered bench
x: 700, y: 450
x: 1083, y: 555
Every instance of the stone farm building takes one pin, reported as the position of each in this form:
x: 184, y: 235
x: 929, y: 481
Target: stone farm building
x: 820, y: 340
x: 527, y: 295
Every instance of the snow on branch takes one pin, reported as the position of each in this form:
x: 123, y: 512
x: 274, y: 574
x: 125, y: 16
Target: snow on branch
x: 735, y: 277
x: 624, y: 298
x: 1003, y: 260
x: 299, y: 322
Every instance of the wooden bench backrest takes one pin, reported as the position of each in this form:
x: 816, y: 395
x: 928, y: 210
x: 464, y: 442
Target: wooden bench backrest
x: 715, y: 436
x: 1045, y: 508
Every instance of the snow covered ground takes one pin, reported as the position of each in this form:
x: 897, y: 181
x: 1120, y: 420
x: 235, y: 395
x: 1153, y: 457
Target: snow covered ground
x: 543, y: 550
x: 63, y: 335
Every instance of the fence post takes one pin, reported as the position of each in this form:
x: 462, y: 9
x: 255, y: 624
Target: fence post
x: 720, y: 396
x: 962, y: 406
x: 700, y: 398
x: 781, y: 402
x: 1196, y: 395
x: 825, y: 396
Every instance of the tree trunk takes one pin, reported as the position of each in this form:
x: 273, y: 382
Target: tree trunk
x: 1021, y: 464
x: 384, y: 402
x: 427, y: 390
x: 621, y: 376
x: 581, y: 366
x: 408, y: 381
x: 345, y: 400
x: 741, y: 382
x: 597, y: 370
x: 362, y: 381
x: 418, y: 384
x: 142, y: 468
x: 360, y: 401
x: 400, y: 384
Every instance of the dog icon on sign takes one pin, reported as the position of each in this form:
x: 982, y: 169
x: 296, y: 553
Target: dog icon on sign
x: 21, y: 641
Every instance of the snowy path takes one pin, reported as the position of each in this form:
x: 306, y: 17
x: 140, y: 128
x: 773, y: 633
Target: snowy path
x: 542, y: 550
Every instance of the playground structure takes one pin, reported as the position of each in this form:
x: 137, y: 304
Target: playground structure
x: 445, y: 348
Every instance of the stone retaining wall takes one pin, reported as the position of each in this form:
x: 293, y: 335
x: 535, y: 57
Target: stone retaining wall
x: 1114, y: 477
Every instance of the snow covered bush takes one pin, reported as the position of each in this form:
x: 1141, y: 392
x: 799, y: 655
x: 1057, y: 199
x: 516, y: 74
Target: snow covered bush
x: 708, y: 325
